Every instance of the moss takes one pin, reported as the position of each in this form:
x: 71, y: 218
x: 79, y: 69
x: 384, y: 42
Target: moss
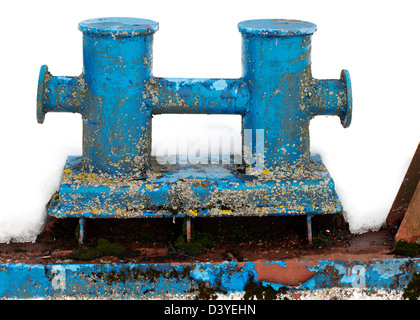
x: 150, y: 275
x: 206, y: 292
x: 124, y: 275
x: 320, y: 241
x: 195, y: 247
x: 200, y: 241
x: 258, y: 291
x: 408, y: 249
x: 412, y: 290
x: 192, y: 248
x: 103, y: 248
x: 200, y: 289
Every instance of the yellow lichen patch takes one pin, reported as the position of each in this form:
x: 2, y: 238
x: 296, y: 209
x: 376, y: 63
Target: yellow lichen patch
x: 194, y: 212
x: 227, y: 212
x: 193, y: 180
x: 67, y: 171
x: 265, y: 171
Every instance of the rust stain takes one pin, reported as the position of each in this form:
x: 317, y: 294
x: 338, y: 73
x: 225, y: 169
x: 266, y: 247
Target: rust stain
x: 293, y: 274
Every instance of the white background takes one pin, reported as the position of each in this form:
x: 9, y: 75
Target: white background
x: 377, y: 41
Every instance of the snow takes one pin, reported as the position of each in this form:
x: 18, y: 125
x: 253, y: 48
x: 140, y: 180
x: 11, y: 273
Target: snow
x: 374, y: 40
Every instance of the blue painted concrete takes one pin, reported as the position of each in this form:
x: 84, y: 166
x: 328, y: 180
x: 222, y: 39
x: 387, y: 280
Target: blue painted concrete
x: 143, y: 281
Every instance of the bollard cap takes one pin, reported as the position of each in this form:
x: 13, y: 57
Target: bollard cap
x: 124, y: 27
x: 276, y: 27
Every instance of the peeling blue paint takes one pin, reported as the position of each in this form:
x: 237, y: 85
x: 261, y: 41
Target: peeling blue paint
x: 142, y: 281
x: 117, y: 95
x: 213, y: 190
x: 280, y: 263
x: 220, y: 85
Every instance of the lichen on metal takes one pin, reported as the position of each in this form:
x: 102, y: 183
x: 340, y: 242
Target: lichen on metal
x: 117, y: 95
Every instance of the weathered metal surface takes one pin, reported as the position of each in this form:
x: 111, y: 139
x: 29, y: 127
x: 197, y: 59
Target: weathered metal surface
x: 197, y: 96
x: 166, y: 280
x: 406, y: 192
x: 276, y: 57
x: 117, y: 95
x: 193, y: 190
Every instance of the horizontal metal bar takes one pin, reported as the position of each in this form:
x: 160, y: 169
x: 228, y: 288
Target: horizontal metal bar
x: 197, y: 96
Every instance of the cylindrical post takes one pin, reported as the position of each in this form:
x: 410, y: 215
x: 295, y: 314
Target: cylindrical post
x: 81, y: 237
x: 117, y: 55
x: 276, y: 67
x: 188, y: 229
x: 309, y: 228
x: 276, y: 57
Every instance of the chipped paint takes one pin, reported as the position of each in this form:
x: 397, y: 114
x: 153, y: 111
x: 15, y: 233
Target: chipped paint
x: 191, y: 190
x: 165, y: 280
x: 117, y: 95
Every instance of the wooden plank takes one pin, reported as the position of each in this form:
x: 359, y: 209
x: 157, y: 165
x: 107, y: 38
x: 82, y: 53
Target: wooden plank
x: 409, y: 229
x: 405, y: 193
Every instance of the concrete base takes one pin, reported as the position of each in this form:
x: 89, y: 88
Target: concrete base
x: 276, y: 267
x: 202, y: 280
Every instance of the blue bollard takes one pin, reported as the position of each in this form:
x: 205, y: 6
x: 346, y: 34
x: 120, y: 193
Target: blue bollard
x: 277, y: 71
x: 117, y: 95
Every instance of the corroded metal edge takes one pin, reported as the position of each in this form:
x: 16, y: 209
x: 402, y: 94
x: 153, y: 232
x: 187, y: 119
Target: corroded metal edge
x: 166, y: 280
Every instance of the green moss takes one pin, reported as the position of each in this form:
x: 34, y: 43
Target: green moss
x: 200, y: 241
x: 150, y: 275
x: 408, y: 249
x: 192, y: 248
x: 206, y: 292
x: 103, y: 248
x: 320, y: 241
x: 195, y: 247
x: 200, y: 289
x: 412, y: 290
x: 258, y: 291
